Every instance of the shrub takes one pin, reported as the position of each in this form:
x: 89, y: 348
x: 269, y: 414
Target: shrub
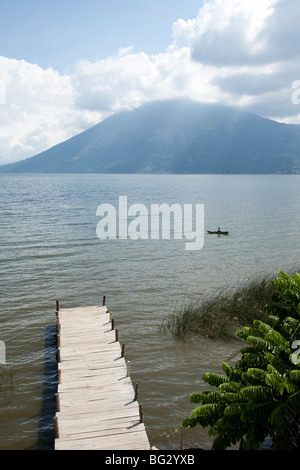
x: 259, y: 397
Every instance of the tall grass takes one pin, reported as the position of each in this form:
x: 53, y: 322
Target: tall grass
x: 7, y: 383
x: 222, y: 315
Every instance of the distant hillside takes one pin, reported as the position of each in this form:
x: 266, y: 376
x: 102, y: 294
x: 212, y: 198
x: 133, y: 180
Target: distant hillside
x: 177, y: 136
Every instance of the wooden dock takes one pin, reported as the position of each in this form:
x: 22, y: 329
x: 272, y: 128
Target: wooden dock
x: 96, y: 404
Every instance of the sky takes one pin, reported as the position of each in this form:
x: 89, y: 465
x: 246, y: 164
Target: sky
x: 67, y: 65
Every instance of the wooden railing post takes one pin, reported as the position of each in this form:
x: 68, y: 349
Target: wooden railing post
x: 141, y: 413
x: 136, y: 392
x: 56, y: 429
x: 57, y: 402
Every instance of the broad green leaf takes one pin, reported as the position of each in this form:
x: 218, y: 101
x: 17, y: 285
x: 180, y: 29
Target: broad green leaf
x: 259, y: 374
x: 256, y: 393
x: 226, y: 368
x: 214, y: 379
x: 276, y: 381
x: 295, y: 375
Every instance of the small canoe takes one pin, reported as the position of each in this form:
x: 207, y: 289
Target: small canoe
x: 218, y: 232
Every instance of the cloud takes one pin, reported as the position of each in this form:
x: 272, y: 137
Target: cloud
x: 238, y: 53
x: 129, y: 80
x: 36, y: 109
x: 41, y: 108
x: 255, y: 47
x: 281, y: 31
x: 226, y: 33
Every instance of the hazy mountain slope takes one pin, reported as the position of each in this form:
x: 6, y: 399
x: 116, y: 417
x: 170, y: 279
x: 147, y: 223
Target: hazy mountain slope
x: 176, y: 136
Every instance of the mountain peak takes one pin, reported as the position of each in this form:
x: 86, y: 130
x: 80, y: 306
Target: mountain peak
x: 174, y: 136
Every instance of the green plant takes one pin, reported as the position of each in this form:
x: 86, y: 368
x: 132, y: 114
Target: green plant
x: 259, y: 397
x: 220, y: 315
x: 7, y: 383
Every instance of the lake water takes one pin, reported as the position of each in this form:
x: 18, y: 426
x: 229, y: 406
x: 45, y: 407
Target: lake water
x: 50, y: 250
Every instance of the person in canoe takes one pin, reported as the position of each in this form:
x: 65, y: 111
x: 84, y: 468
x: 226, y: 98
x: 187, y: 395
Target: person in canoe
x: 219, y: 229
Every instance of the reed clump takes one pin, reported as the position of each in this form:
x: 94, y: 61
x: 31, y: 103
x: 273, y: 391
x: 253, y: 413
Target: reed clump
x: 221, y: 315
x: 8, y: 383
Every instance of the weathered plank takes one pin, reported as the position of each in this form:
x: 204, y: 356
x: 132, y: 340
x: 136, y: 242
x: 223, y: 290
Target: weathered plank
x: 96, y: 406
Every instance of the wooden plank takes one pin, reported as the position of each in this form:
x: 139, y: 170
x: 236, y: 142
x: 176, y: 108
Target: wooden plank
x: 117, y: 430
x: 133, y: 441
x: 95, y: 397
x: 109, y: 430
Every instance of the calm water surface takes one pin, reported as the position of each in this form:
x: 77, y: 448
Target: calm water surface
x: 50, y: 250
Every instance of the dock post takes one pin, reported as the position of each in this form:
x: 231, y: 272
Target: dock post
x: 136, y: 392
x: 104, y: 301
x: 55, y: 425
x: 58, y: 355
x: 141, y: 413
x: 57, y: 402
x: 181, y: 438
x: 57, y: 312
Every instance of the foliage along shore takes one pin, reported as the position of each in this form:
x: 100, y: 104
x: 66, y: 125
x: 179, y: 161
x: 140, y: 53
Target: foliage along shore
x: 258, y: 400
x: 220, y: 316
